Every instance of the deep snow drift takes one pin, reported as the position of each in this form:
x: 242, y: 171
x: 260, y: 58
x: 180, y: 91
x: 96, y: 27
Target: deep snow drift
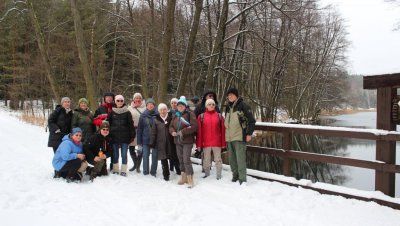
x: 30, y: 196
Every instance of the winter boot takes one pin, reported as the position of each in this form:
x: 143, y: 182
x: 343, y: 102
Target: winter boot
x: 183, y: 179
x: 138, y: 162
x: 115, y: 168
x: 124, y: 168
x: 133, y: 157
x: 165, y: 172
x: 177, y: 168
x: 56, y: 174
x: 83, y: 167
x: 92, y: 176
x: 190, y: 181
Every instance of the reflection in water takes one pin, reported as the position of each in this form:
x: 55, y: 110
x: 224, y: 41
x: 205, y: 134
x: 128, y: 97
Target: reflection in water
x: 301, y: 169
x: 352, y: 177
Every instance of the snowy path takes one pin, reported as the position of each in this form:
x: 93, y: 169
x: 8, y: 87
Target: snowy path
x: 30, y: 196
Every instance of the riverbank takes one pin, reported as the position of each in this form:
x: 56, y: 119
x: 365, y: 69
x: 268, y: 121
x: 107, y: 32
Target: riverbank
x: 346, y: 111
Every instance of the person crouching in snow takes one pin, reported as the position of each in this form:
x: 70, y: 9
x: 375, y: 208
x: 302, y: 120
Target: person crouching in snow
x: 183, y: 128
x: 69, y: 161
x: 211, y: 137
x: 97, y: 149
x: 122, y: 133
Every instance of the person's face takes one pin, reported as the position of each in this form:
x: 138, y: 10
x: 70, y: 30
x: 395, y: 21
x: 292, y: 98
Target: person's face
x: 181, y: 107
x: 163, y: 112
x: 105, y: 131
x: 174, y: 105
x: 137, y: 100
x: 77, y: 136
x: 210, y: 106
x: 210, y: 96
x: 150, y: 106
x: 108, y: 99
x: 83, y: 106
x: 232, y: 97
x: 66, y: 104
x: 119, y: 102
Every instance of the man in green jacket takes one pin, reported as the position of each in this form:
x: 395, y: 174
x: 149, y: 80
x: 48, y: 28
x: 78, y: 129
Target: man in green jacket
x: 239, y: 124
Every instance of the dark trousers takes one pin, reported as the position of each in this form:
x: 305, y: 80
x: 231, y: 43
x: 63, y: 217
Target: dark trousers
x: 70, y: 169
x: 165, y: 169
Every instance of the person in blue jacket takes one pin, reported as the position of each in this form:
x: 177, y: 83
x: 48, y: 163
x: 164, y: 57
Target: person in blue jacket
x: 69, y: 160
x: 146, y: 123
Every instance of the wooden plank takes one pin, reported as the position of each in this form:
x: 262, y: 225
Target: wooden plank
x: 385, y: 150
x: 329, y: 192
x: 299, y: 155
x: 287, y: 163
x: 367, y: 135
x: 381, y: 81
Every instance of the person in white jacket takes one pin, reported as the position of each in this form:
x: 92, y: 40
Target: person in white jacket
x: 136, y: 108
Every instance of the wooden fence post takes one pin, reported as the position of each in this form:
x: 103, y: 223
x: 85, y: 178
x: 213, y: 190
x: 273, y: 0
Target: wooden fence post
x: 287, y: 162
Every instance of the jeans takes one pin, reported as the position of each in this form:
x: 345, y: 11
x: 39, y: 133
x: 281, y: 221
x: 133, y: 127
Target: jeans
x: 124, y: 153
x: 154, y: 160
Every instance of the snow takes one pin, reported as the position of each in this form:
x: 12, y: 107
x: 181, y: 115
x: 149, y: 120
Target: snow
x: 331, y: 128
x: 30, y: 196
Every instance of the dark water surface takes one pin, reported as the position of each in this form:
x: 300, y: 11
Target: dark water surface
x: 361, y: 149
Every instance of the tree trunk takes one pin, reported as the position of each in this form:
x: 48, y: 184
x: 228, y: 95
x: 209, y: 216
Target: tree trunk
x: 167, y: 39
x: 218, y: 44
x: 80, y: 42
x: 189, y: 50
x: 42, y: 48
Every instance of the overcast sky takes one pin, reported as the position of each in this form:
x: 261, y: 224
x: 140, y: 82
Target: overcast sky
x: 375, y: 46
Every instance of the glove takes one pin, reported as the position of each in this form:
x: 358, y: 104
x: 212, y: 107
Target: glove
x: 197, y: 153
x: 224, y: 150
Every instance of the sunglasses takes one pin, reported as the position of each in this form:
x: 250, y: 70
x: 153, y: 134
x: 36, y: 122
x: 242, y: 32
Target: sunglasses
x: 105, y: 129
x: 119, y: 101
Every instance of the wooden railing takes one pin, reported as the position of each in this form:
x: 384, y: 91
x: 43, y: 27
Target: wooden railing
x: 288, y: 130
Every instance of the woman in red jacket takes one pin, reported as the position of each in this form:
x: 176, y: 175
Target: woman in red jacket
x: 211, y: 137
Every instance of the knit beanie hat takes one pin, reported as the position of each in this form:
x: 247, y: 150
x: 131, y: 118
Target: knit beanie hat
x: 83, y: 100
x: 150, y: 101
x: 65, y: 99
x: 210, y: 101
x: 105, y: 124
x: 182, y: 100
x: 108, y: 94
x: 119, y: 97
x: 234, y: 91
x: 76, y: 130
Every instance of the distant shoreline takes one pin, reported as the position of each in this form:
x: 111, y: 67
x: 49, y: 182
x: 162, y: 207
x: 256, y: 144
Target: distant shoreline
x: 346, y: 111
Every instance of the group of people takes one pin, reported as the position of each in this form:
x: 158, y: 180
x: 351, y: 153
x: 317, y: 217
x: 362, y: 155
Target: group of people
x: 82, y: 141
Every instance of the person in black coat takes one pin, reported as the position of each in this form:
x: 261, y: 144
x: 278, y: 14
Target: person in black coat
x: 59, y: 123
x: 97, y: 149
x: 161, y: 139
x: 122, y: 133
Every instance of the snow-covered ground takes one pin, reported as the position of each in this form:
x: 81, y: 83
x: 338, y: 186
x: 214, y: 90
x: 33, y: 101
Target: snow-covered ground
x: 30, y: 196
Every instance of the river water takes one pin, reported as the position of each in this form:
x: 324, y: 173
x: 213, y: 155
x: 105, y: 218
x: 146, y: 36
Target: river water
x: 361, y: 149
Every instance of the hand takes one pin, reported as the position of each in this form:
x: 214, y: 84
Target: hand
x: 248, y: 138
x: 80, y: 156
x: 58, y: 131
x: 174, y: 134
